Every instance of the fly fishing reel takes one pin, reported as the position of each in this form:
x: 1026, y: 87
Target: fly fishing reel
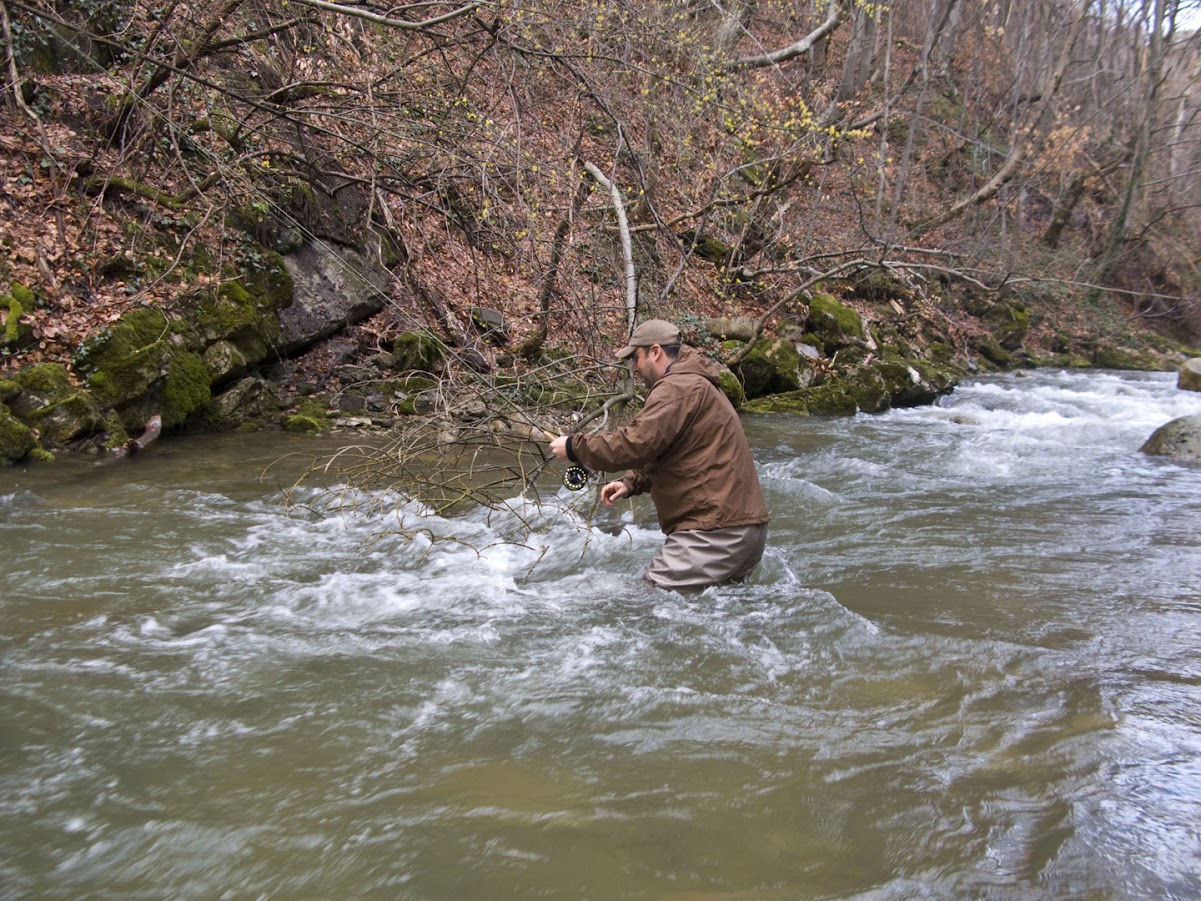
x: 575, y: 478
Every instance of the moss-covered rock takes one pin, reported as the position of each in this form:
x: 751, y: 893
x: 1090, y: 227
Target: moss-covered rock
x: 823, y: 400
x: 311, y: 416
x: 8, y: 390
x: 247, y: 401
x: 16, y: 438
x: 794, y: 402
x: 225, y: 361
x: 991, y: 350
x: 731, y: 387
x: 1010, y: 323
x: 786, y: 364
x: 418, y: 351
x: 244, y: 312
x: 1116, y: 358
x: 867, y: 386
x: 122, y: 362
x: 772, y: 366
x: 48, y: 402
x: 186, y: 388
x: 146, y: 365
x: 835, y: 324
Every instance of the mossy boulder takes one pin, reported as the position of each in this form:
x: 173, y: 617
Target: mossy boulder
x: 1179, y: 439
x: 823, y: 400
x: 772, y: 366
x: 1010, y: 323
x: 418, y: 351
x: 1116, y: 358
x: 8, y: 390
x: 248, y: 400
x: 122, y: 362
x: 146, y: 364
x: 835, y: 324
x: 48, y: 402
x: 993, y: 353
x: 914, y: 383
x: 868, y: 388
x: 186, y: 389
x: 16, y: 438
x: 731, y: 387
x: 225, y: 361
x: 244, y: 313
x: 311, y: 417
x: 1188, y: 378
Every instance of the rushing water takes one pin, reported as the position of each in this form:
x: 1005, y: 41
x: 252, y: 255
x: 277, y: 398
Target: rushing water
x: 968, y: 668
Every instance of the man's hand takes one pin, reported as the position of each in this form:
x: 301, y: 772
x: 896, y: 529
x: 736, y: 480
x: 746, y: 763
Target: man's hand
x: 613, y: 491
x: 558, y: 447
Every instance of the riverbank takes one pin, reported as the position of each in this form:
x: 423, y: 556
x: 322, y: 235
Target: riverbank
x: 216, y: 366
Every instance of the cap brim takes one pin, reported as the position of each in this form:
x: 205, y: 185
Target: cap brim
x: 627, y: 351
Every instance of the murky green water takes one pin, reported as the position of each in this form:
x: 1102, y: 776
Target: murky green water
x: 968, y: 668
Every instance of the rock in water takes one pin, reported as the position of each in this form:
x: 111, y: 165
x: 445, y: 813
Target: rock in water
x: 1189, y: 377
x: 1179, y: 439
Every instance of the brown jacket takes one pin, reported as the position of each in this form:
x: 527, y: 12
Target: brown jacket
x: 687, y: 446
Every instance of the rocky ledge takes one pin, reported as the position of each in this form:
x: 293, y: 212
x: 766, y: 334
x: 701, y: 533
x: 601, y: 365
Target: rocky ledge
x: 240, y: 356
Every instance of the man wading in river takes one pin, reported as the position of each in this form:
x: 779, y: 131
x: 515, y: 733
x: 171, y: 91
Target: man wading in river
x: 687, y: 447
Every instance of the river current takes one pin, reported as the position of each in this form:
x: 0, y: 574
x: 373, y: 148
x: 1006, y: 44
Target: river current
x: 968, y: 668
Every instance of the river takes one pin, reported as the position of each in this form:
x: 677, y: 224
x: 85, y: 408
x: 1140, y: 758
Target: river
x: 968, y: 668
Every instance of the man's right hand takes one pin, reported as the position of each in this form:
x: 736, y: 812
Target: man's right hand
x: 613, y: 491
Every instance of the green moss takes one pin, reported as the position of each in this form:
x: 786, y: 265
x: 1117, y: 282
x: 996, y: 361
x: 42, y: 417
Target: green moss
x: 8, y: 390
x: 417, y: 351
x: 270, y: 284
x: 867, y: 386
x: 41, y: 455
x: 786, y: 364
x: 731, y: 387
x: 992, y: 351
x: 1116, y: 358
x: 310, y: 416
x: 16, y: 438
x: 187, y: 389
x: 45, y: 378
x: 245, y: 310
x: 794, y: 402
x: 23, y: 295
x: 754, y: 370
x: 825, y: 400
x: 12, y: 331
x: 1011, y: 322
x: 941, y: 352
x: 298, y: 423
x: 123, y: 362
x: 831, y: 400
x: 942, y: 377
x: 834, y: 322
x: 116, y: 435
x: 50, y: 403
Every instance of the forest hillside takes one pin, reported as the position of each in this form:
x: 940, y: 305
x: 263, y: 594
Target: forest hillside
x: 560, y: 170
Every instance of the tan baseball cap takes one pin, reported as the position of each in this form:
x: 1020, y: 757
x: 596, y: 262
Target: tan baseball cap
x: 653, y: 331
